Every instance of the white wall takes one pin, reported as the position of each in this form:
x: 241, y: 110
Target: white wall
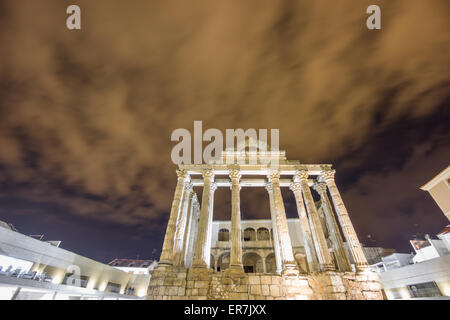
x: 437, y: 270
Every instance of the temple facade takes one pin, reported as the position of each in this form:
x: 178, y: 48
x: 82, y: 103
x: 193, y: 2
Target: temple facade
x: 304, y: 258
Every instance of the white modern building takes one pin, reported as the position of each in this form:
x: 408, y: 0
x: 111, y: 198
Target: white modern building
x: 439, y: 189
x: 422, y: 275
x: 425, y: 274
x: 393, y: 261
x: 134, y: 266
x: 31, y: 269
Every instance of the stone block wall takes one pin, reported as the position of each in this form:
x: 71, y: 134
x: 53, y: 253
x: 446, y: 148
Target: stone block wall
x: 347, y: 285
x: 204, y: 284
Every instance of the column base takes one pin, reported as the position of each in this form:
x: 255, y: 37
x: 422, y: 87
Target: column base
x: 165, y: 264
x: 361, y: 267
x: 327, y: 267
x: 290, y: 269
x: 235, y: 269
x: 199, y: 265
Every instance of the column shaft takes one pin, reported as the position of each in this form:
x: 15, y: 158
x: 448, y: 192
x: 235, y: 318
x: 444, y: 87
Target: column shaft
x: 190, y: 208
x: 333, y: 228
x: 189, y: 256
x: 236, y: 242
x: 323, y: 255
x: 310, y: 251
x: 180, y: 231
x: 346, y: 224
x: 201, y: 260
x: 276, y: 239
x: 168, y: 244
x: 209, y: 227
x: 263, y: 259
x: 289, y: 265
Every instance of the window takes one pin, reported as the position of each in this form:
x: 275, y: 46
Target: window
x: 263, y: 234
x: 224, y: 235
x: 248, y: 269
x: 249, y: 234
x: 426, y: 289
x: 113, y: 287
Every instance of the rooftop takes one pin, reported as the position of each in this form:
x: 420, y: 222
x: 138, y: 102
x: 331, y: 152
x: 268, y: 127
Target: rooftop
x: 134, y: 263
x: 438, y: 178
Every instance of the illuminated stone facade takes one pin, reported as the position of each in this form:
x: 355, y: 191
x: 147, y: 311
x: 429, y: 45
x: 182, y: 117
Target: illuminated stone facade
x: 315, y: 267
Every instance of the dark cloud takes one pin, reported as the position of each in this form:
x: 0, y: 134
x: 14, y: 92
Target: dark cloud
x: 86, y: 115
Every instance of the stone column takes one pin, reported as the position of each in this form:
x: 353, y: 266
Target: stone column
x: 201, y: 260
x: 276, y: 239
x: 347, y: 227
x: 209, y: 228
x: 323, y: 255
x: 311, y: 256
x: 338, y: 245
x: 167, y: 249
x: 181, y: 260
x: 288, y: 264
x: 189, y: 256
x: 180, y: 230
x: 263, y: 260
x: 236, y: 237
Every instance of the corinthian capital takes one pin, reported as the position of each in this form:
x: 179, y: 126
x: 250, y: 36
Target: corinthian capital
x: 235, y: 174
x: 320, y: 187
x: 327, y: 173
x: 274, y: 176
x: 301, y: 174
x: 269, y: 187
x: 295, y: 187
x: 208, y: 174
x: 183, y: 175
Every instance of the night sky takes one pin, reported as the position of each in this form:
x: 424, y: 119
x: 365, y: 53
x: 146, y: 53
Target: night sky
x: 86, y: 116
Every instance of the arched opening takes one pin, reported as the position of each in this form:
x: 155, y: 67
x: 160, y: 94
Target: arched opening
x: 249, y: 234
x: 263, y: 234
x: 224, y: 235
x: 271, y: 265
x: 252, y: 263
x: 223, y: 262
